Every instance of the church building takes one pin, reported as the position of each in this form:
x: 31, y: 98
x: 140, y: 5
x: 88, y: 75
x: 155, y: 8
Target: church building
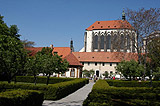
x: 107, y: 43
x: 110, y: 36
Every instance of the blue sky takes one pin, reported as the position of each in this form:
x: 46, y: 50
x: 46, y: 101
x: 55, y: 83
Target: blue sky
x: 57, y: 21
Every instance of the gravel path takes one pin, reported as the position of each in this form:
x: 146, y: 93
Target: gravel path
x: 74, y: 99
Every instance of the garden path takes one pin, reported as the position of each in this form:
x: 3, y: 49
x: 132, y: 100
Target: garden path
x: 74, y: 99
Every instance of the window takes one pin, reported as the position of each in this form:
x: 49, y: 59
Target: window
x: 110, y: 64
x: 101, y: 26
x: 122, y: 41
x: 111, y: 72
x: 82, y: 63
x: 103, y: 64
x: 72, y: 72
x: 88, y: 63
x: 102, y: 42
x: 95, y: 64
x: 128, y: 42
x: 98, y: 22
x: 117, y: 63
x: 92, y: 26
x: 108, y: 41
x: 95, y: 42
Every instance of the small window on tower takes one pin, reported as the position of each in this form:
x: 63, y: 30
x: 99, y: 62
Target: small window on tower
x: 92, y: 26
x: 98, y: 22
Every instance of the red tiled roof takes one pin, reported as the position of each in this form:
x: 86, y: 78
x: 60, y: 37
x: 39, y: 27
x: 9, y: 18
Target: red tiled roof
x: 61, y: 51
x: 105, y: 56
x: 72, y: 60
x: 33, y: 50
x: 114, y: 24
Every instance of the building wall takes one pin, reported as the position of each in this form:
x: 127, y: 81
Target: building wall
x: 99, y: 67
x: 68, y: 73
x: 89, y: 40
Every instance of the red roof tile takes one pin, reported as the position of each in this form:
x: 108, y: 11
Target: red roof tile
x: 72, y: 60
x: 33, y: 50
x: 105, y: 56
x: 114, y: 24
x: 61, y: 51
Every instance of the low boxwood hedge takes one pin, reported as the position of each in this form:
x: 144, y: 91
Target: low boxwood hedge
x: 104, y: 95
x: 21, y: 98
x: 42, y: 79
x: 120, y: 83
x: 51, y: 91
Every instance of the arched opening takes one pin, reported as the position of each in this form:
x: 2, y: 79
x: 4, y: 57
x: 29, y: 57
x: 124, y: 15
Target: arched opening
x: 97, y: 73
x: 102, y: 42
x: 95, y: 42
x: 108, y: 42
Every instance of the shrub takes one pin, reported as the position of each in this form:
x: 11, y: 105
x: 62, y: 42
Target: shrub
x: 119, y: 83
x: 102, y: 94
x: 21, y: 98
x: 51, y: 91
x: 42, y: 79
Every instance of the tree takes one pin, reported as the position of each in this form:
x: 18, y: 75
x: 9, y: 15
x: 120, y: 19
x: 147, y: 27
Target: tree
x: 52, y: 63
x: 33, y: 66
x: 106, y: 74
x: 130, y: 69
x: 145, y: 22
x: 154, y: 53
x: 86, y: 73
x: 12, y: 53
x: 27, y: 43
x: 92, y: 72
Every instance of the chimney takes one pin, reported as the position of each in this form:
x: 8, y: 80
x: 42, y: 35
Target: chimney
x: 51, y: 46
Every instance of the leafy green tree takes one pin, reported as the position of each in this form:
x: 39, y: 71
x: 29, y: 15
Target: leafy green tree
x: 106, y: 74
x: 52, y: 63
x: 130, y: 69
x: 91, y: 72
x: 27, y: 43
x: 33, y: 66
x: 154, y: 55
x: 12, y: 53
x: 86, y: 73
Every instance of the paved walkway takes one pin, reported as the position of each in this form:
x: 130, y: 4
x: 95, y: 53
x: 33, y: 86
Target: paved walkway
x: 74, y: 99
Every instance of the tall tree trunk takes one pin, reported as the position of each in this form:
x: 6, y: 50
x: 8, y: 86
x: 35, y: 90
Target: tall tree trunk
x: 48, y: 79
x: 9, y: 78
x: 35, y: 79
x: 15, y: 79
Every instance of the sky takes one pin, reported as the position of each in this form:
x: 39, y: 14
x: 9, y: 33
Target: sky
x: 56, y: 22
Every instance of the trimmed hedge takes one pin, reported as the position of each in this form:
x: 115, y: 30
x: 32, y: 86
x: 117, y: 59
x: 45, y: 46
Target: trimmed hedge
x: 21, y: 98
x: 42, y: 79
x: 103, y: 95
x: 51, y: 91
x: 120, y: 83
